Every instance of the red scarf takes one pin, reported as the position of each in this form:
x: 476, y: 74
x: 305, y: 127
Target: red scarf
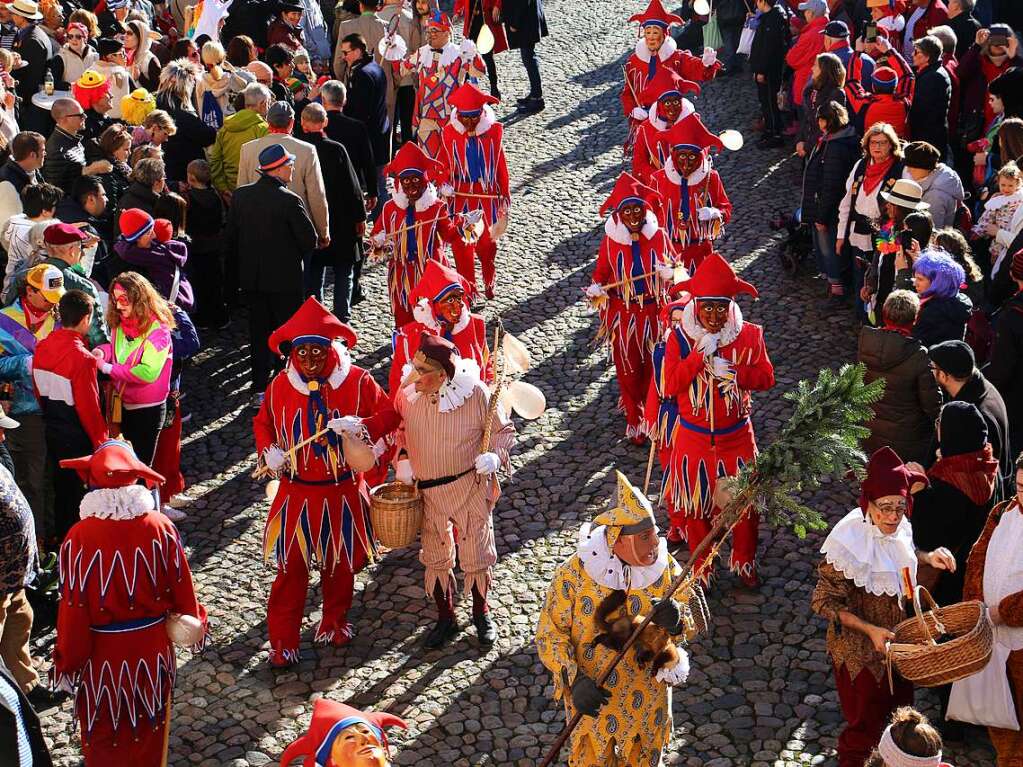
x: 902, y: 330
x: 875, y: 173
x: 972, y: 474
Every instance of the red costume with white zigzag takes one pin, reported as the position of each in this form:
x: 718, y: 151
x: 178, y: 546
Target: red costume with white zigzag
x: 650, y: 149
x: 122, y: 571
x: 469, y: 333
x: 478, y: 173
x: 628, y: 319
x: 715, y: 436
x: 320, y: 514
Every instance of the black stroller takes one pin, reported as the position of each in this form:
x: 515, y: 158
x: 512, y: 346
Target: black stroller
x: 797, y: 246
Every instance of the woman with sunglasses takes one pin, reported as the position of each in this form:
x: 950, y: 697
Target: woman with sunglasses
x: 75, y: 56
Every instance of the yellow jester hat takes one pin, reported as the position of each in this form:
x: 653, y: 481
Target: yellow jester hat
x: 631, y: 514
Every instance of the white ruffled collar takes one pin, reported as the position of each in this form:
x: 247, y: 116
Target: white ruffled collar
x: 693, y: 178
x: 619, y: 232
x: 453, y: 392
x: 893, y: 23
x: 423, y: 314
x: 337, y: 375
x: 665, y: 52
x: 872, y: 560
x: 687, y: 110
x: 608, y: 570
x: 1001, y: 200
x: 120, y: 503
x: 448, y: 54
x: 426, y: 200
x: 487, y: 120
x: 733, y: 325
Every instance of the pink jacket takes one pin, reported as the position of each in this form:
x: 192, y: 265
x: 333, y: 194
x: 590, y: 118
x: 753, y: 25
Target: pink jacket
x: 140, y: 367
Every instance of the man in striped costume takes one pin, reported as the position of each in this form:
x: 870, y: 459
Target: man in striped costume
x: 453, y: 442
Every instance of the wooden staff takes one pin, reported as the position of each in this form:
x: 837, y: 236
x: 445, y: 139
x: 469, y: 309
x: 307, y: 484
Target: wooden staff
x: 727, y: 519
x: 495, y: 394
x: 416, y: 225
x: 654, y: 439
x: 262, y: 471
x: 479, y: 196
x: 629, y: 279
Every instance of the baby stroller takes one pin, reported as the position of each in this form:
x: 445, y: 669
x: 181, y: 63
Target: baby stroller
x: 797, y: 246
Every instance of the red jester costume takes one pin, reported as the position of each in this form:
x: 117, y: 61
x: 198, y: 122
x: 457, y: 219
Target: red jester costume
x: 440, y: 308
x: 657, y: 50
x: 123, y: 573
x: 415, y: 224
x: 440, y: 67
x: 320, y: 512
x: 695, y: 204
x: 667, y: 107
x: 630, y: 282
x: 711, y: 367
x: 342, y: 736
x: 477, y: 178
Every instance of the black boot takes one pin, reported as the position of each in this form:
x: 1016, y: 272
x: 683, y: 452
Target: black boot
x: 485, y: 631
x: 442, y: 633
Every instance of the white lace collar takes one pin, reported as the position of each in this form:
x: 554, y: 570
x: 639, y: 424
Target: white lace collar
x: 487, y: 120
x: 426, y: 200
x: 619, y: 232
x: 453, y: 392
x: 1001, y: 200
x: 665, y: 52
x: 659, y: 124
x: 423, y: 314
x: 608, y: 570
x: 893, y: 23
x: 120, y: 503
x: 336, y: 377
x: 693, y: 178
x: 448, y: 55
x: 733, y: 325
x: 858, y: 549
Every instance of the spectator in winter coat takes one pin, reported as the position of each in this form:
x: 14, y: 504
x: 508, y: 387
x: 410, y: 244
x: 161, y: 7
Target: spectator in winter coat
x: 75, y: 56
x: 952, y: 241
x: 928, y: 115
x: 204, y: 225
x: 177, y: 97
x: 963, y: 23
x: 146, y: 245
x: 35, y: 49
x: 767, y: 63
x: 148, y: 182
x: 923, y: 15
x: 858, y: 65
x: 244, y: 125
x: 944, y: 311
x: 808, y: 45
x: 994, y: 51
x: 827, y: 167
x: 1005, y: 371
x: 941, y: 186
x: 826, y: 85
x: 881, y: 104
x: 65, y: 154
x: 21, y: 169
x: 904, y: 416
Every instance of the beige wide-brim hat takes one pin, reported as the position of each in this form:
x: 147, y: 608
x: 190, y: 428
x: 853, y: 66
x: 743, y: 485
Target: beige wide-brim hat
x: 25, y: 8
x: 905, y: 193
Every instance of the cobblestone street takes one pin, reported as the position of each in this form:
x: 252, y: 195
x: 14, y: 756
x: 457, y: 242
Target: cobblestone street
x: 761, y: 691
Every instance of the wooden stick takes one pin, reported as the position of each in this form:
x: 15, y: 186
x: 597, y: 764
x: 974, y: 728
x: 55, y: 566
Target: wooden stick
x: 262, y: 471
x: 480, y: 196
x: 654, y: 439
x: 724, y: 523
x: 629, y: 279
x: 416, y: 225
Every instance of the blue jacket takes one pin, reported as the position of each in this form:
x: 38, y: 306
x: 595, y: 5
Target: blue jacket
x: 17, y: 345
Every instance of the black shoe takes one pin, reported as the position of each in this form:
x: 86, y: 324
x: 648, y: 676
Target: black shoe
x: 495, y: 93
x: 525, y: 99
x: 445, y: 630
x: 485, y: 631
x: 43, y: 699
x: 771, y: 142
x: 533, y: 106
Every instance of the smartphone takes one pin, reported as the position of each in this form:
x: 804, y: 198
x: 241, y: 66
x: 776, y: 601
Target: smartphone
x: 906, y: 240
x: 1001, y: 40
x: 870, y: 33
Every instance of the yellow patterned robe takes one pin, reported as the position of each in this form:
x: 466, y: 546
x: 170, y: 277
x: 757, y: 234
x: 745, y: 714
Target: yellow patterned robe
x: 640, y: 706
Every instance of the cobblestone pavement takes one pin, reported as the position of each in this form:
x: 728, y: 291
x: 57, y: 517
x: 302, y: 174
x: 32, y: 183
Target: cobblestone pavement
x: 761, y: 690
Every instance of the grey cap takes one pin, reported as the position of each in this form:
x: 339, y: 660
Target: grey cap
x: 280, y: 114
x: 819, y: 7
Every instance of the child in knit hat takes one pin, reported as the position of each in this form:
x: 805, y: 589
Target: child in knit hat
x: 150, y: 249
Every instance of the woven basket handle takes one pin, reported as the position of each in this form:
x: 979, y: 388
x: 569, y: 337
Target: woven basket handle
x: 919, y: 592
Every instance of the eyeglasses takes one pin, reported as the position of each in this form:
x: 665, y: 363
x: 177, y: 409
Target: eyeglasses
x: 77, y: 115
x: 76, y: 37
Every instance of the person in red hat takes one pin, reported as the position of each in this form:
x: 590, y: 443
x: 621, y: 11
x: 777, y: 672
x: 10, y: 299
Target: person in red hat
x: 477, y: 176
x: 882, y: 104
x: 441, y: 66
x: 445, y: 410
x: 440, y: 307
x: 319, y: 515
x: 342, y: 736
x: 656, y: 50
x: 124, y: 583
x: 415, y: 224
x: 630, y: 282
x: 859, y: 592
x: 667, y: 108
x: 695, y: 205
x: 711, y: 367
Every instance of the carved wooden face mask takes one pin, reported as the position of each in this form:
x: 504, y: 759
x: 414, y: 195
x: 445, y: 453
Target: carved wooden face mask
x: 413, y: 185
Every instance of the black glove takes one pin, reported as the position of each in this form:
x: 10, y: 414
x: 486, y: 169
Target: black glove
x: 587, y: 697
x: 667, y: 615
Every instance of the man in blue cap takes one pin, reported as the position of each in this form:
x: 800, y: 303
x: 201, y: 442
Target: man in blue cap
x: 268, y: 237
x: 858, y: 65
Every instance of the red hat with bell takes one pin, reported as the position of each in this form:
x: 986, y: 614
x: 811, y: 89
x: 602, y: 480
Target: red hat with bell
x: 665, y: 84
x: 629, y: 189
x: 888, y: 475
x: 330, y: 718
x: 468, y: 99
x: 312, y: 323
x: 412, y: 159
x: 692, y: 134
x: 112, y: 465
x: 437, y: 282
x: 655, y: 14
x: 439, y: 20
x: 714, y: 278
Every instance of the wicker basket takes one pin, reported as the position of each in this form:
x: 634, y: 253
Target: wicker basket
x: 921, y: 661
x: 396, y: 511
